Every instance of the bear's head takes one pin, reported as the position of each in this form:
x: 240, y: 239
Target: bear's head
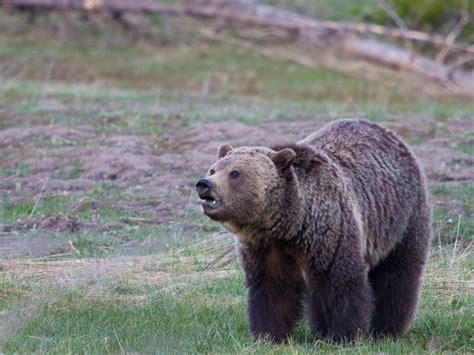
x: 245, y: 184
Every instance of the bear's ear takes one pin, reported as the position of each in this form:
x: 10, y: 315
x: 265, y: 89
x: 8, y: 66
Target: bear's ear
x: 223, y: 150
x: 284, y: 158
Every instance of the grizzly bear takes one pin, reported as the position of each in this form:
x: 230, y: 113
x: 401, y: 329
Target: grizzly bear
x: 337, y: 224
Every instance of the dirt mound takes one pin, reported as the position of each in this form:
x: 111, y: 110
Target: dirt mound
x: 44, y: 164
x: 441, y: 155
x: 58, y: 223
x: 445, y: 164
x: 207, y: 136
x: 185, y: 153
x: 114, y: 157
x: 119, y: 158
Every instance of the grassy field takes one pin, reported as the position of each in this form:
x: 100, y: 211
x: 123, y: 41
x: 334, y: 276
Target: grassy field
x: 103, y: 247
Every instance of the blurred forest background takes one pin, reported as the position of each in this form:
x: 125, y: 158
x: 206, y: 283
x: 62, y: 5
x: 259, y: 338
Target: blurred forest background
x: 110, y: 110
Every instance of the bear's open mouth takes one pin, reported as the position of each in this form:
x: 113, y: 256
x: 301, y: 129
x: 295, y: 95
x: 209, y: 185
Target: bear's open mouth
x: 210, y: 203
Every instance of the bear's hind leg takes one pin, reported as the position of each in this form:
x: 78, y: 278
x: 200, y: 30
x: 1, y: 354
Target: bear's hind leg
x: 275, y: 292
x: 396, y: 282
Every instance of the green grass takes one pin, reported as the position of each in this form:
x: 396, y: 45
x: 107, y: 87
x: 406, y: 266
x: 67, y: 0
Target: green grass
x: 50, y: 206
x: 138, y: 112
x: 10, y: 293
x: 463, y: 192
x: 455, y: 219
x: 210, y: 316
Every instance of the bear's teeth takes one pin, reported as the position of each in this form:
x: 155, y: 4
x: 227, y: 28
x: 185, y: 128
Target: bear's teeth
x: 211, y: 202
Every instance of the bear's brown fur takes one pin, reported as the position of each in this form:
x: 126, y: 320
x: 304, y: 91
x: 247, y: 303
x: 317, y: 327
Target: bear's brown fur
x: 338, y: 221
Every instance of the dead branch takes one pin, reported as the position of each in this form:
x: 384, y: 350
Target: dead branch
x: 436, y: 40
x: 390, y: 11
x: 451, y: 37
x: 400, y: 58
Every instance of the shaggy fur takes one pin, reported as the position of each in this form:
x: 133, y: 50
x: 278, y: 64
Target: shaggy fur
x: 338, y: 222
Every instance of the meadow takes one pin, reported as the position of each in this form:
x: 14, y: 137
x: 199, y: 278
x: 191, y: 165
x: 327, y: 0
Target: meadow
x: 103, y: 247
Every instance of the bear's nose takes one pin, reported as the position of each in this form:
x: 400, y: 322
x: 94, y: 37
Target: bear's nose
x: 203, y: 186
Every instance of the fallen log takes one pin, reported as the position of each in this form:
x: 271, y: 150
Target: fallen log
x: 400, y: 58
x: 320, y: 33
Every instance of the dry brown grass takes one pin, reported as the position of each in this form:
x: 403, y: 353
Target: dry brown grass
x: 140, y: 270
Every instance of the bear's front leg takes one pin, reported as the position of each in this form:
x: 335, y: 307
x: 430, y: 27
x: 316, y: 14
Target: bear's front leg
x: 340, y: 301
x: 276, y: 286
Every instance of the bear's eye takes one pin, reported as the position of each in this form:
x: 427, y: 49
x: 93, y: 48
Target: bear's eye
x: 212, y: 172
x: 234, y: 174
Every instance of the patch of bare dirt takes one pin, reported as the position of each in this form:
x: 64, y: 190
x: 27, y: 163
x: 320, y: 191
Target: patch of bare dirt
x: 189, y: 151
x: 58, y: 223
x: 44, y: 164
x: 119, y: 158
x: 440, y: 146
x: 444, y: 164
x: 128, y: 160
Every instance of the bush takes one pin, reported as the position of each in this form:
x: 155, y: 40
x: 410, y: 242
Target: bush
x: 438, y: 16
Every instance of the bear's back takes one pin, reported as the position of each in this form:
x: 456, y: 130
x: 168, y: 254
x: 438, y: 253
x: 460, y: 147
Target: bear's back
x: 384, y: 175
